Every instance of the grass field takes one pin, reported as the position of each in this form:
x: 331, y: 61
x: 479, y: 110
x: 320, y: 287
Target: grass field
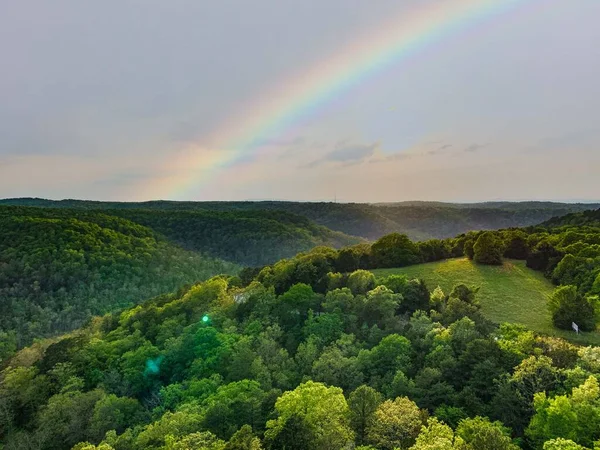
x: 508, y: 293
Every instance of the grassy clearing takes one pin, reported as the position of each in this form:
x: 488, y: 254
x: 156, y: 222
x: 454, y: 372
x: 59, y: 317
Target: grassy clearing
x: 508, y: 293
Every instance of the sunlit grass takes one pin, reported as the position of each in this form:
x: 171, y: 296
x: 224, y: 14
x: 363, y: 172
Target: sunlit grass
x: 508, y: 293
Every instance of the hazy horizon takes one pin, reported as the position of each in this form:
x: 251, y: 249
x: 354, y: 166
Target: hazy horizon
x: 120, y: 100
x: 258, y: 200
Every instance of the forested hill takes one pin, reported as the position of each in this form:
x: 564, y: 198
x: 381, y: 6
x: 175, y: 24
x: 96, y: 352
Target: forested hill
x: 57, y: 269
x: 316, y: 353
x: 584, y: 218
x: 246, y: 237
x: 419, y: 220
x: 252, y: 237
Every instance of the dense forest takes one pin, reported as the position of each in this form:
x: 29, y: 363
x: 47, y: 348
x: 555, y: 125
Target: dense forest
x: 418, y: 220
x: 59, y: 269
x: 315, y: 352
x: 244, y: 237
x: 251, y: 237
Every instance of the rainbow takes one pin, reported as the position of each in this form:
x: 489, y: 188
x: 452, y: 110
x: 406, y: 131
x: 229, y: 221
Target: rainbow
x: 242, y: 137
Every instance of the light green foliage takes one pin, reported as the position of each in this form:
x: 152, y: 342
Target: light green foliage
x: 322, y: 409
x: 361, y: 281
x: 437, y: 435
x: 437, y: 297
x: 168, y: 430
x: 395, y: 424
x: 562, y: 444
x: 380, y: 306
x: 195, y: 441
x: 575, y: 417
x: 480, y: 433
x: 88, y: 446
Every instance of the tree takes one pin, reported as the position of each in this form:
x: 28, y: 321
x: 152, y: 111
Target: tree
x: 479, y: 433
x: 395, y: 250
x: 437, y: 435
x: 395, y: 424
x: 386, y: 358
x: 115, y: 413
x: 361, y: 281
x: 204, y: 440
x: 363, y: 403
x: 516, y: 245
x: 575, y: 417
x: 567, y: 306
x: 562, y: 444
x: 65, y: 420
x: 380, y: 306
x: 468, y: 247
x: 319, y: 414
x: 243, y: 439
x: 488, y: 249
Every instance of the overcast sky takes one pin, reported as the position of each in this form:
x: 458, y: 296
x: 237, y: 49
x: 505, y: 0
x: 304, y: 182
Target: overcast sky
x: 100, y: 100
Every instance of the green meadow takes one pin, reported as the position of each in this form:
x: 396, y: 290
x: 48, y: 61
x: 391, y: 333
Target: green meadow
x: 508, y: 293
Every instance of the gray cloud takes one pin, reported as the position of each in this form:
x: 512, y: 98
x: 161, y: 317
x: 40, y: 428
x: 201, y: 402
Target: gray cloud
x: 573, y: 139
x: 475, y: 147
x: 398, y: 156
x: 347, y: 154
x: 439, y: 149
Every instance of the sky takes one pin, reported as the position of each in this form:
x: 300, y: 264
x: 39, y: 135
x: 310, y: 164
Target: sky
x: 153, y: 99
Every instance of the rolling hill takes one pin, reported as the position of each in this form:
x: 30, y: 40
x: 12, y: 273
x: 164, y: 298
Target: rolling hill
x: 419, y: 220
x: 58, y: 270
x: 508, y: 293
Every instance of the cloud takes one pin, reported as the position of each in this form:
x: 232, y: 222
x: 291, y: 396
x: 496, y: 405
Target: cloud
x: 475, y: 147
x: 398, y: 156
x: 580, y: 138
x: 347, y: 154
x: 439, y: 149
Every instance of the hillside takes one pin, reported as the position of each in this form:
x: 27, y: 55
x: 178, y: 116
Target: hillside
x: 509, y: 293
x: 585, y: 218
x: 220, y: 367
x: 419, y: 220
x: 251, y: 237
x: 314, y: 349
x: 57, y: 270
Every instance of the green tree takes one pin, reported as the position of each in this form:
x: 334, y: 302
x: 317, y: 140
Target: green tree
x: 562, y: 444
x: 437, y: 435
x: 361, y: 281
x: 575, y: 417
x: 479, y: 433
x: 363, y: 403
x: 322, y: 415
x: 395, y: 424
x: 395, y: 250
x: 488, y: 249
x: 115, y: 413
x: 567, y: 306
x: 243, y: 439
